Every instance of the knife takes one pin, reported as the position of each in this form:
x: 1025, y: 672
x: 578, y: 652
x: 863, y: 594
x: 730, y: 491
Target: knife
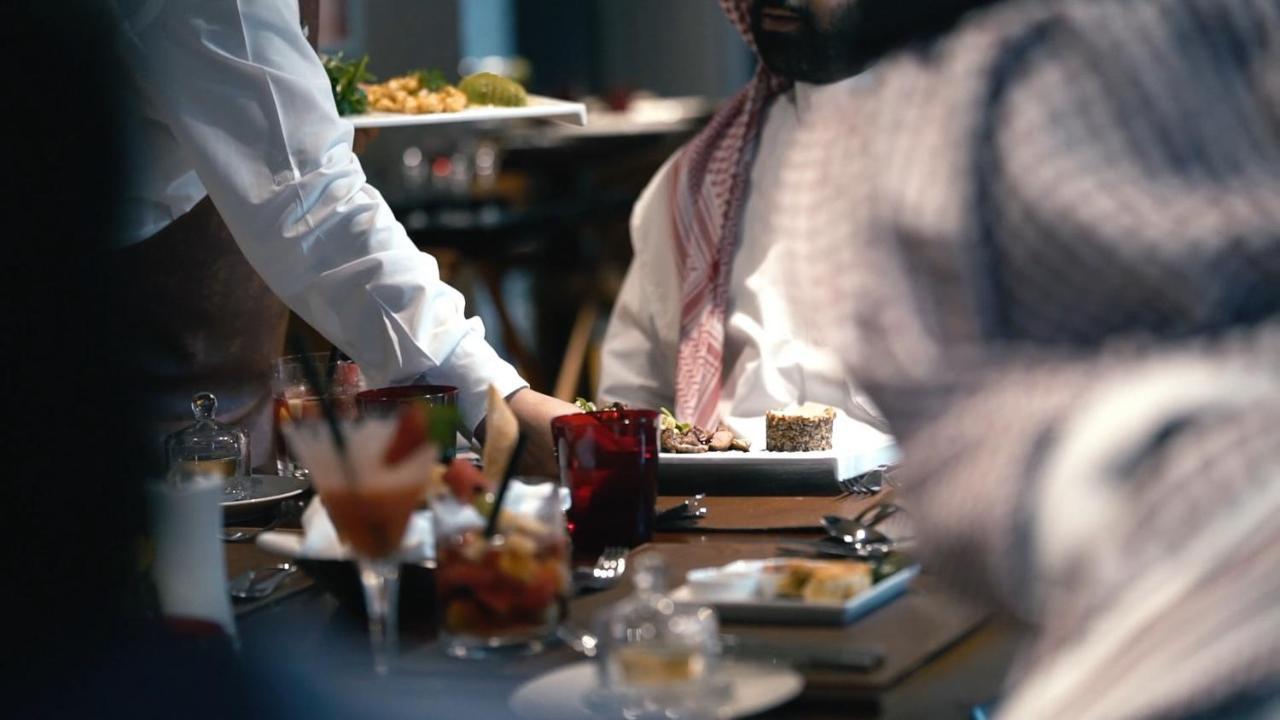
x: 835, y: 657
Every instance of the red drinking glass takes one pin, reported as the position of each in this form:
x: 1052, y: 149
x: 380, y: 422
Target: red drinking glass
x: 609, y: 462
x: 437, y: 403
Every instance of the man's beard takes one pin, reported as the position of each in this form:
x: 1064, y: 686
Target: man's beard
x: 811, y: 53
x: 854, y: 38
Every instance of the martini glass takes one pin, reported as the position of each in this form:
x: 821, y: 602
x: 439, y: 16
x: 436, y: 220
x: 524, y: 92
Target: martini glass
x: 369, y: 503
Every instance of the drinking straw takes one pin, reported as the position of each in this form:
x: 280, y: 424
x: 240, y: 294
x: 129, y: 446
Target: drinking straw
x: 331, y: 365
x: 491, y: 527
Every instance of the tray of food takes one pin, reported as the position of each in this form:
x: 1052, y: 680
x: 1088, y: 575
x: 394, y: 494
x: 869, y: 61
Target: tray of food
x: 426, y: 97
x: 798, y: 592
x: 807, y: 441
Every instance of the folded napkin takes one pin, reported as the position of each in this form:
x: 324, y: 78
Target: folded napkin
x: 453, y: 517
x: 364, y: 462
x: 319, y: 539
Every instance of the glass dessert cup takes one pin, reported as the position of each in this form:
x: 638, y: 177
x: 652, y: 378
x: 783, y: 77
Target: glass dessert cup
x: 658, y: 659
x: 209, y: 448
x: 506, y: 594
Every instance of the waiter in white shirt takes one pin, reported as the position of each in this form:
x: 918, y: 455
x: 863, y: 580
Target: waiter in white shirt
x: 726, y: 312
x: 248, y: 194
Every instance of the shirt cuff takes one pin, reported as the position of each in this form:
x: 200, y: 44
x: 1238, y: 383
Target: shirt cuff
x: 472, y: 367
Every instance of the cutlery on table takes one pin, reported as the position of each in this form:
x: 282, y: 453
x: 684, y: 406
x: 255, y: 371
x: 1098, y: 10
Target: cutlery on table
x: 810, y: 656
x: 868, y: 483
x: 852, y: 532
x: 257, y: 584
x: 849, y: 538
x: 608, y: 569
x: 687, y: 511
x: 877, y: 514
x: 830, y: 547
x: 289, y: 510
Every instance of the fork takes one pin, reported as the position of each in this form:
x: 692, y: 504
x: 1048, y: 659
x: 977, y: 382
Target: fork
x: 289, y: 510
x: 257, y: 584
x: 868, y: 483
x: 610, y: 566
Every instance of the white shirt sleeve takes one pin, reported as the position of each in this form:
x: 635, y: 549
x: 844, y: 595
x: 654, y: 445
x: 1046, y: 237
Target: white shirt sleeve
x: 638, y: 363
x: 250, y: 105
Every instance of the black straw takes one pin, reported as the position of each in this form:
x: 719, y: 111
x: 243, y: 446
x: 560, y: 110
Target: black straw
x: 331, y: 365
x: 491, y: 527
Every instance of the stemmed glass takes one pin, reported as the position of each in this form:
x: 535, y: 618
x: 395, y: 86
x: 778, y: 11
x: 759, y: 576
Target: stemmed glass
x: 369, y: 502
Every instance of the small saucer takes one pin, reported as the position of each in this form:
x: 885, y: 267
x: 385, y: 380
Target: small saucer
x: 567, y: 693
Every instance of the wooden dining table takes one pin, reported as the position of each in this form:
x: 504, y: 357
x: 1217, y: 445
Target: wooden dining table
x: 943, y: 655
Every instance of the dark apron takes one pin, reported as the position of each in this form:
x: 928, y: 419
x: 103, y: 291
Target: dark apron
x: 200, y: 318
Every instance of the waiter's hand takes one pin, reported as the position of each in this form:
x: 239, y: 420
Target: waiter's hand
x: 535, y: 411
x: 364, y: 136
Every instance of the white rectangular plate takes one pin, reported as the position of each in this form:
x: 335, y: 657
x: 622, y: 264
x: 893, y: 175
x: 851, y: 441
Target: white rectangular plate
x: 856, y: 448
x: 796, y: 612
x: 538, y: 107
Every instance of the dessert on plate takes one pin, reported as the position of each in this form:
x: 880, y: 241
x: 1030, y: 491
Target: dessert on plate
x: 815, y: 581
x: 799, y: 428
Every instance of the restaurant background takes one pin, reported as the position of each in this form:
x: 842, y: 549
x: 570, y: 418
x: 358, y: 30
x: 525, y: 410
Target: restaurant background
x: 530, y: 222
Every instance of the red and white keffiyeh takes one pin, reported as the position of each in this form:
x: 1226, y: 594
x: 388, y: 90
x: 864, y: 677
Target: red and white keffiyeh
x: 708, y: 194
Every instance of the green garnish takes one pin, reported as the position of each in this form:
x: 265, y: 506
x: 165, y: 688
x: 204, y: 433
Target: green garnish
x: 345, y: 78
x: 585, y: 405
x: 432, y: 80
x: 669, y: 420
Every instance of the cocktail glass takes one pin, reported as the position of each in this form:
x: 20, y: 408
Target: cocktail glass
x: 296, y: 400
x: 609, y: 462
x: 370, y: 504
x: 505, y: 594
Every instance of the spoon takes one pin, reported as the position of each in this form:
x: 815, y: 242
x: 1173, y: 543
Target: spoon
x: 256, y: 584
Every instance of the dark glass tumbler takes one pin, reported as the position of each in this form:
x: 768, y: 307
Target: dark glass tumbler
x: 439, y: 403
x: 609, y: 462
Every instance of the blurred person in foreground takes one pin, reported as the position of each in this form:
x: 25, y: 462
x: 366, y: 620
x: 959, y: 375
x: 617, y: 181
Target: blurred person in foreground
x: 83, y: 639
x: 248, y: 198
x: 1067, y: 304
x: 721, y: 313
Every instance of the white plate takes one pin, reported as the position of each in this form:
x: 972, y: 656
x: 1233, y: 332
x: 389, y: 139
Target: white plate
x: 538, y: 107
x: 265, y: 491
x: 560, y: 694
x: 856, y: 448
x: 796, y: 612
